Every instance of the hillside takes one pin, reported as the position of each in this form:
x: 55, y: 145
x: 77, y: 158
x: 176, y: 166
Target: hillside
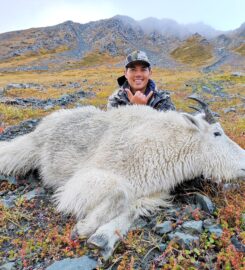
x: 167, y: 43
x: 35, y: 236
x: 195, y: 51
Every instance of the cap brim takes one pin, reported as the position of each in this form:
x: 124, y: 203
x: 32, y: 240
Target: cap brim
x: 139, y: 62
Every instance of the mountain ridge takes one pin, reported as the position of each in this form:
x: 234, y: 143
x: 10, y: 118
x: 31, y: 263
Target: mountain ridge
x: 117, y: 36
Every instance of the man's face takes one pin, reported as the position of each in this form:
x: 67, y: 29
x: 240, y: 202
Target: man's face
x: 138, y: 76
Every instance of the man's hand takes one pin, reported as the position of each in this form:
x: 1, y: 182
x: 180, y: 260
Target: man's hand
x: 138, y: 97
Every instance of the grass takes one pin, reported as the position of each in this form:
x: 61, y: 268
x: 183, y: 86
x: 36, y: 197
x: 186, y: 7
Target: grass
x: 36, y: 238
x: 41, y: 233
x: 97, y: 59
x: 30, y: 58
x: 141, y: 243
x: 11, y: 115
x: 241, y: 49
x: 193, y: 52
x: 229, y: 78
x: 102, y: 81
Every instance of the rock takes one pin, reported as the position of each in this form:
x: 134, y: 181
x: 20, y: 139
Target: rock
x: 7, y: 266
x: 65, y: 99
x: 243, y: 219
x: 230, y: 186
x: 14, y: 86
x: 215, y: 229
x: 1, y: 91
x: 228, y: 110
x: 205, y: 203
x: 164, y: 227
x: 237, y: 74
x: 39, y: 103
x: 208, y: 222
x: 30, y: 68
x: 82, y: 263
x: 12, y: 227
x: 240, y: 247
x: 16, y: 53
x: 192, y: 226
x: 74, y: 85
x: 24, y: 86
x: 81, y: 93
x: 37, y: 192
x: 8, y: 202
x: 21, y: 129
x: 112, y: 48
x: 190, y: 209
x: 10, y: 179
x: 139, y: 223
x: 48, y: 107
x: 185, y: 240
x: 174, y: 212
x: 206, y: 89
x: 162, y: 247
x: 58, y: 85
x: 217, y: 87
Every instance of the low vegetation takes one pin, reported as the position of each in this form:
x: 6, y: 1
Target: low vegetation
x: 194, y: 52
x: 41, y: 233
x: 241, y: 49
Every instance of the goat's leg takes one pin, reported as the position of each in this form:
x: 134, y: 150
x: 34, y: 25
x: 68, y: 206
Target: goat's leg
x: 106, y: 210
x: 95, y: 196
x: 108, y: 234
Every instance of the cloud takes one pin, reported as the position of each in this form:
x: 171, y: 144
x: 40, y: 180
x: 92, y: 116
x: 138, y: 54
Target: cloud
x: 22, y: 14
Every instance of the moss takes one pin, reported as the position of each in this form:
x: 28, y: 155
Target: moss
x: 241, y: 49
x: 193, y: 53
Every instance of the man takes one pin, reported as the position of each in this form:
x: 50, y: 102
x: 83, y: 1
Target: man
x: 136, y: 86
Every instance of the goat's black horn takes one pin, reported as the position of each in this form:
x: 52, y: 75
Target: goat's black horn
x: 195, y: 108
x: 208, y: 113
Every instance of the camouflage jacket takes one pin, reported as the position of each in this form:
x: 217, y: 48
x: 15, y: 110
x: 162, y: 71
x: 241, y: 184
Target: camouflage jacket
x: 160, y: 100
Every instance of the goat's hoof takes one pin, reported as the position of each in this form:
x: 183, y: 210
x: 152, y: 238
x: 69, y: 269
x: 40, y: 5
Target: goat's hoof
x: 74, y: 234
x: 99, y: 241
x: 106, y: 253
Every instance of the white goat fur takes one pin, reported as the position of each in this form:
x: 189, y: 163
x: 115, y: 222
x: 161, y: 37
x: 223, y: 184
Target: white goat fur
x: 110, y: 167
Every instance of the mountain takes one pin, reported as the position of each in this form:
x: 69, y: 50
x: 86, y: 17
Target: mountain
x: 169, y: 27
x: 195, y: 50
x: 168, y: 43
x: 241, y: 31
x: 239, y: 40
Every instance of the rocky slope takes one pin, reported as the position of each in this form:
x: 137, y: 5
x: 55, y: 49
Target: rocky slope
x: 166, y: 42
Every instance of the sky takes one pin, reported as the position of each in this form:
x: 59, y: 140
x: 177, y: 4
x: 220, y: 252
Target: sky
x: 23, y: 14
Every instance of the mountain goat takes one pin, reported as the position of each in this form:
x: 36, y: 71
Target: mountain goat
x: 107, y: 168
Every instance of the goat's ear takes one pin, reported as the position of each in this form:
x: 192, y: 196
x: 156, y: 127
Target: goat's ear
x: 192, y: 120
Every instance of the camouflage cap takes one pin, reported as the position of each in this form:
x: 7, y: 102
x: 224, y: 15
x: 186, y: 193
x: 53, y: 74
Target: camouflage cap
x: 137, y: 56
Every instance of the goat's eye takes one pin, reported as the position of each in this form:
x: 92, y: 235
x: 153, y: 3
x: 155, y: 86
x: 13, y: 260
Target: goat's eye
x: 217, y: 134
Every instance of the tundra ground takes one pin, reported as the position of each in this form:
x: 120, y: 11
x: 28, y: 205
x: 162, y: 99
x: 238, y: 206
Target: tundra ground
x: 34, y: 234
